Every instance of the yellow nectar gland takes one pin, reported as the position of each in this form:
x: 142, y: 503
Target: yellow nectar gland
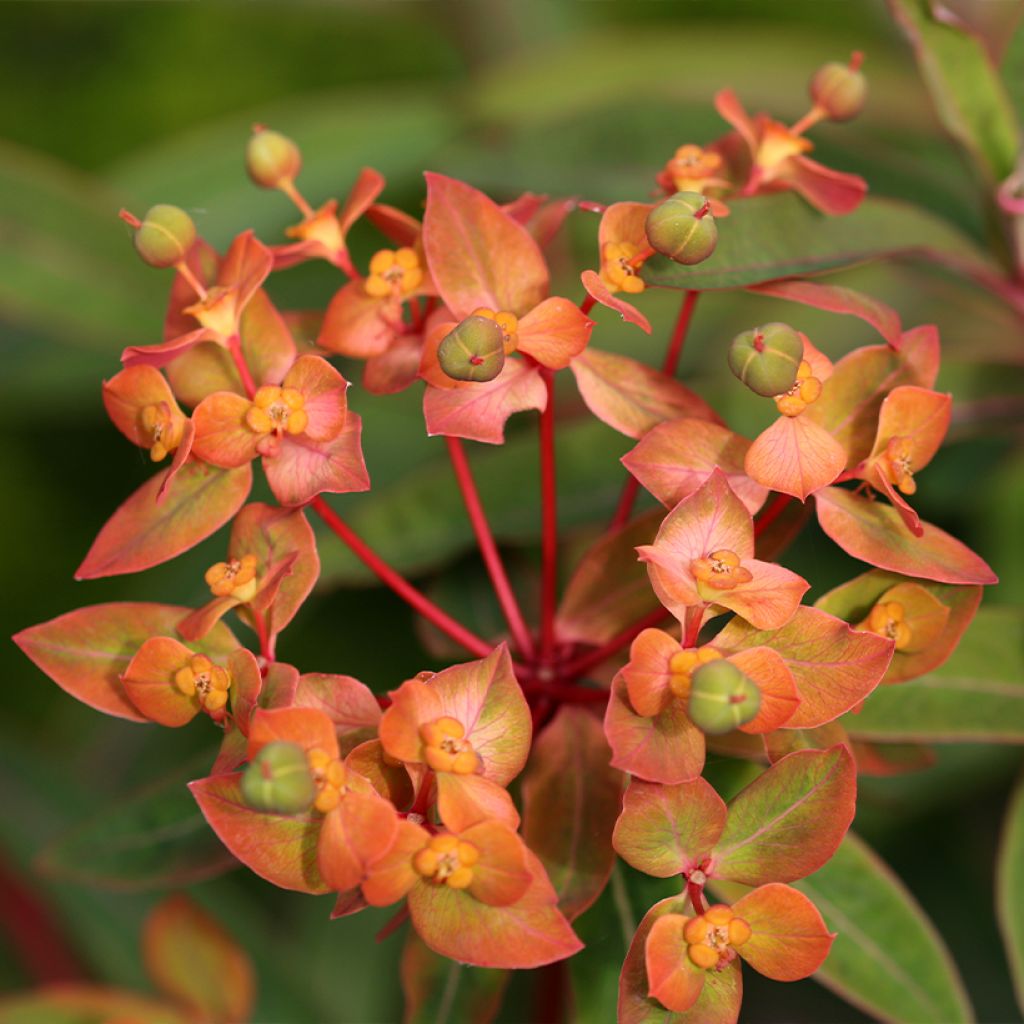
x: 712, y: 938
x: 322, y: 227
x: 693, y: 169
x: 897, y: 463
x: 721, y: 570
x: 620, y: 263
x: 235, y: 578
x: 447, y: 860
x: 393, y: 272
x: 446, y: 749
x: 216, y: 311
x: 778, y: 144
x: 207, y: 682
x: 806, y: 389
x: 509, y: 324
x: 683, y: 664
x: 278, y: 411
x: 328, y: 777
x: 887, y: 619
x: 164, y: 432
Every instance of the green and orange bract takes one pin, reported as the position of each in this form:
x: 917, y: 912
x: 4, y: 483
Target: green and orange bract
x: 490, y: 801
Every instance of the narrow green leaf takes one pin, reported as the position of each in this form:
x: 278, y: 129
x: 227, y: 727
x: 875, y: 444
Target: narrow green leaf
x: 1010, y: 889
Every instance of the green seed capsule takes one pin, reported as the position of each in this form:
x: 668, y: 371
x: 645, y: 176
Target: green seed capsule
x: 475, y: 350
x: 840, y: 90
x: 165, y: 236
x: 278, y: 781
x: 271, y: 158
x: 722, y: 698
x: 682, y: 228
x: 767, y: 358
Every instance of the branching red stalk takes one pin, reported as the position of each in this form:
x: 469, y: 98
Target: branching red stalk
x: 235, y: 348
x: 775, y: 508
x: 696, y: 894
x: 489, y: 550
x: 583, y: 664
x: 549, y: 521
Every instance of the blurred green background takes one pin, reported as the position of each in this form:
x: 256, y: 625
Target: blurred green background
x: 110, y: 105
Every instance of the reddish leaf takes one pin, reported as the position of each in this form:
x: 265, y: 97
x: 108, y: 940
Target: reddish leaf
x: 479, y: 255
x: 357, y: 324
x: 790, y: 820
x: 648, y: 672
x: 466, y: 800
x: 354, y: 834
x: 672, y: 978
x: 673, y: 459
x: 875, y: 533
x: 85, y: 651
x: 348, y: 703
x: 631, y: 397
x: 143, y: 533
x: 779, y: 695
x: 598, y: 290
x: 310, y: 728
x: 554, y: 332
x: 390, y: 780
x: 833, y: 666
x: 669, y: 830
x: 85, y: 1004
x: 149, y: 682
x: 788, y: 741
x: 795, y: 456
x: 192, y: 959
x: 571, y: 798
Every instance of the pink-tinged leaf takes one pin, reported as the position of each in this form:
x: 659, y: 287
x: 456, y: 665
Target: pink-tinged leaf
x: 73, y: 1003
x: 673, y: 459
x: 852, y: 396
x: 367, y: 187
x: 267, y: 342
x: 393, y: 875
x: 795, y: 456
x: 598, y: 290
x: 667, y: 748
x: 413, y: 704
x: 348, y: 703
x: 477, y: 254
x: 310, y: 728
x: 554, y: 333
x: 395, y: 224
x: 192, y: 959
x: 223, y: 436
x: 631, y: 397
x: 357, y: 324
x: 203, y: 619
x: 323, y: 391
x: 779, y: 695
x: 609, y: 589
x: 280, y: 848
x: 247, y: 686
x: 788, y: 741
x: 500, y: 876
x: 354, y: 834
x: 836, y: 299
x: 730, y: 109
x: 833, y: 192
x: 85, y: 651
x: 304, y: 468
x: 647, y: 673
x: 771, y: 597
x: 788, y: 938
x: 181, y: 456
x: 669, y: 830
x: 160, y: 355
x: 529, y: 933
x: 875, y: 533
x: 790, y: 820
x: 720, y: 997
x: 884, y: 760
x: 247, y: 263
x: 571, y: 798
x: 833, y: 666
x: 478, y: 412
x: 930, y: 643
x: 672, y: 978
x: 149, y: 682
x: 396, y: 369
x: 390, y: 780
x: 143, y: 533
x: 428, y: 987
x: 348, y: 903
x: 465, y: 800
x: 541, y: 216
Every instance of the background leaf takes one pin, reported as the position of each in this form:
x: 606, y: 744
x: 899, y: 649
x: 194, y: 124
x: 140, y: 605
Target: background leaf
x: 1010, y: 889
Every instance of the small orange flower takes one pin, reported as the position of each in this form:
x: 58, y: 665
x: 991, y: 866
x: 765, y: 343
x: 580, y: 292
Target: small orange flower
x: 446, y: 749
x: 888, y: 619
x: 721, y: 570
x: 164, y: 428
x: 235, y: 578
x: 693, y: 169
x: 683, y: 664
x: 329, y: 777
x: 207, y: 682
x: 393, y: 272
x: 447, y: 860
x: 277, y: 410
x: 712, y: 937
x: 805, y: 391
x: 897, y: 463
x: 508, y: 322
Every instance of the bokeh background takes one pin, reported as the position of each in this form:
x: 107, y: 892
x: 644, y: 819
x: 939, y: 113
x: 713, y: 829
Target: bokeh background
x: 110, y: 105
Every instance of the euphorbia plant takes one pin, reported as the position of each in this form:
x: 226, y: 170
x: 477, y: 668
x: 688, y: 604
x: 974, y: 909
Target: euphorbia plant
x: 677, y: 633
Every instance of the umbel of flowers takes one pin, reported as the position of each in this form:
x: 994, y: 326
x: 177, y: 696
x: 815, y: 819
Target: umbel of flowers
x: 402, y: 798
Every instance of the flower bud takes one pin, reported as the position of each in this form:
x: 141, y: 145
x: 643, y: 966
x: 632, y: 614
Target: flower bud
x: 840, y: 90
x: 278, y: 781
x: 682, y: 228
x: 475, y: 350
x: 767, y: 358
x: 271, y: 158
x: 722, y: 698
x: 165, y: 236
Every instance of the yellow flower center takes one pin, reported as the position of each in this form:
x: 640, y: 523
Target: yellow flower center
x: 164, y: 432
x: 235, y: 578
x: 777, y: 145
x: 712, y: 938
x: 329, y: 777
x: 806, y: 390
x: 217, y: 312
x: 393, y: 272
x: 721, y: 570
x: 887, y: 619
x: 620, y: 264
x: 322, y: 227
x: 509, y: 324
x: 447, y: 860
x: 277, y: 411
x: 683, y: 664
x: 897, y: 463
x: 447, y: 749
x: 207, y: 682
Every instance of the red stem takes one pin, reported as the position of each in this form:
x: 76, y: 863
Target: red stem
x: 489, y: 550
x: 669, y: 366
x: 566, y: 694
x: 774, y: 509
x: 398, y: 583
x: 587, y: 304
x: 394, y: 923
x: 696, y: 893
x: 549, y: 520
x: 266, y: 643
x: 694, y: 617
x: 235, y: 348
x: 580, y: 666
